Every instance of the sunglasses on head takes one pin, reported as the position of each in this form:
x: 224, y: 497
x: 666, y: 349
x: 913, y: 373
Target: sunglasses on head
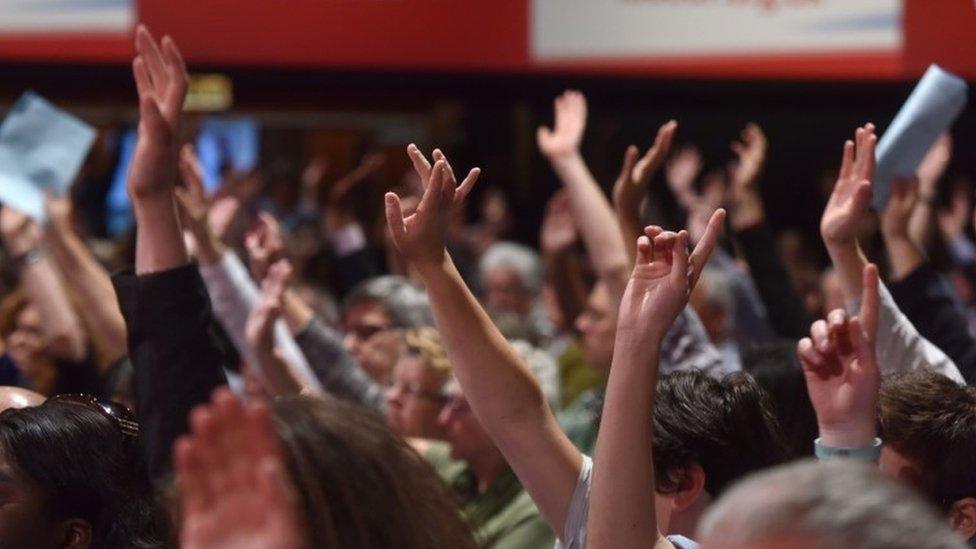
x: 119, y: 414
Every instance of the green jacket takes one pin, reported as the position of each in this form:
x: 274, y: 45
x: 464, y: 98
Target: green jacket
x: 504, y: 516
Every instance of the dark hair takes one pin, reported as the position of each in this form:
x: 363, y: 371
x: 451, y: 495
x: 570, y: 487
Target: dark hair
x: 725, y: 426
x: 362, y: 485
x: 778, y: 371
x: 931, y: 420
x: 87, y: 470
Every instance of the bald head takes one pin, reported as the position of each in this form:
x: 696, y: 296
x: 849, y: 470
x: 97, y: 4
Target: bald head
x: 17, y: 397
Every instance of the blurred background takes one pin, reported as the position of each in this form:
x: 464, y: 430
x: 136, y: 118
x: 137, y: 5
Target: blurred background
x: 279, y: 86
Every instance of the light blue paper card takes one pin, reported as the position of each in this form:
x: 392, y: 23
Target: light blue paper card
x: 41, y: 148
x: 930, y: 110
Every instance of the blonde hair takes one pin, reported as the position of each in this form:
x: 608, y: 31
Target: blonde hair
x: 426, y: 344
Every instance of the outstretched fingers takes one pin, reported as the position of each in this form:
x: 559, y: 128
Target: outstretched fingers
x: 699, y: 257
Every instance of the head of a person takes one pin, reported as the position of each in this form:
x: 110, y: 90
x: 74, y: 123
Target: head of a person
x: 708, y: 433
x: 777, y: 369
x: 468, y: 439
x: 823, y: 505
x: 73, y: 476
x: 18, y: 397
x: 713, y: 301
x: 22, y: 332
x: 928, y: 425
x: 377, y: 306
x: 361, y: 485
x: 415, y: 398
x: 597, y: 325
x: 511, y: 275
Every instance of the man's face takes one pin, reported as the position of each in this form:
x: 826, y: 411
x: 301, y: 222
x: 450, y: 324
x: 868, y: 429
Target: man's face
x: 414, y: 401
x: 504, y: 291
x: 468, y: 439
x: 597, y: 325
x: 370, y: 339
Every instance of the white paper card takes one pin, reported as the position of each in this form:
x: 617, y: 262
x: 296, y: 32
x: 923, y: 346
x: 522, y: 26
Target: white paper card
x: 930, y: 110
x: 41, y: 148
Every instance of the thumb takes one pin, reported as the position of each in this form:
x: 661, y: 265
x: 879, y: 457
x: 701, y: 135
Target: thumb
x: 394, y: 218
x: 627, y: 168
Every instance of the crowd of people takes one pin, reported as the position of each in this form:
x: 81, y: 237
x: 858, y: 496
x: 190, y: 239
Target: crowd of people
x: 286, y: 379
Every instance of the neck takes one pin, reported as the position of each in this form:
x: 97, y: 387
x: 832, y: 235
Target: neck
x: 487, y: 467
x: 685, y: 521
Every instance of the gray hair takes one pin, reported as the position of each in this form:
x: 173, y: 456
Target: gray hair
x: 406, y: 304
x: 827, y: 504
x: 524, y: 260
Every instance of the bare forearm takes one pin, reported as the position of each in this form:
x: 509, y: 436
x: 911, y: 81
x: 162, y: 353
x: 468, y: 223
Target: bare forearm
x: 159, y: 238
x: 61, y: 327
x: 598, y: 222
x: 849, y: 261
x: 622, y: 494
x: 904, y: 255
x: 92, y: 287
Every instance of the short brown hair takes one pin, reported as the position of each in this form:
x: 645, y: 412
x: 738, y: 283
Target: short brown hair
x: 931, y: 421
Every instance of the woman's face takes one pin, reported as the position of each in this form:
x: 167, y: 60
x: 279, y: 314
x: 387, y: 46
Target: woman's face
x: 415, y: 400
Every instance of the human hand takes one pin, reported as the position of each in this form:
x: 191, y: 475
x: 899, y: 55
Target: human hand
x: 559, y: 231
x: 264, y: 245
x: 852, y: 192
x: 933, y: 166
x: 570, y: 123
x: 59, y: 212
x: 420, y: 237
x: 20, y: 232
x: 841, y: 370
x: 233, y: 483
x: 161, y: 81
x: 953, y: 220
x: 191, y: 196
x: 898, y: 210
x: 662, y: 280
x: 681, y: 172
x: 631, y: 184
x: 751, y: 152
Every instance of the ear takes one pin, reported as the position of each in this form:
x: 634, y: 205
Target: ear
x: 962, y: 517
x: 691, y: 487
x: 77, y: 534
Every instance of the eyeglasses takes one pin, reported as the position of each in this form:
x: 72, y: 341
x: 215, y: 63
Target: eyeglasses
x: 119, y: 414
x: 365, y: 331
x: 413, y: 389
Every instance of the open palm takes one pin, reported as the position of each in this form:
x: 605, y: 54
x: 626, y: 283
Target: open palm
x: 852, y: 192
x: 570, y: 123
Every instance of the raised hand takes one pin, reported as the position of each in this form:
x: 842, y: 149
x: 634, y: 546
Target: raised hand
x: 751, y: 151
x: 663, y: 278
x: 161, y: 81
x: 570, y: 123
x: 953, y: 220
x: 933, y: 166
x: 20, y: 232
x: 852, y: 192
x: 233, y: 481
x: 898, y: 210
x: 420, y: 237
x: 841, y: 370
x: 681, y: 172
x: 264, y: 245
x: 559, y: 231
x: 631, y: 184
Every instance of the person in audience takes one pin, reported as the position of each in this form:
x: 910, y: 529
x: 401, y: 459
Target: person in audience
x: 820, y: 506
x: 73, y: 477
x: 18, y: 397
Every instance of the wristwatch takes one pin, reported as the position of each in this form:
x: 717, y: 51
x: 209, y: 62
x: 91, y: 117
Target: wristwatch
x: 865, y: 453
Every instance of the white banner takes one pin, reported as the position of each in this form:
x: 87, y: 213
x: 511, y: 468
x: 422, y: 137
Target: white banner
x: 564, y: 30
x: 67, y: 16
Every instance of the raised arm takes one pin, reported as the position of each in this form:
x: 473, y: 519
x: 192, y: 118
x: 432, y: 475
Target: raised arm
x: 622, y: 495
x: 630, y: 188
x: 89, y: 282
x: 929, y: 173
x: 564, y: 270
x: 40, y: 278
x: 899, y: 345
x: 842, y: 375
x: 598, y: 222
x: 502, y: 392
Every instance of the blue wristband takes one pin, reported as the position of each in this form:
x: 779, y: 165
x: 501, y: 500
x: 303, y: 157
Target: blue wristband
x: 864, y: 453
